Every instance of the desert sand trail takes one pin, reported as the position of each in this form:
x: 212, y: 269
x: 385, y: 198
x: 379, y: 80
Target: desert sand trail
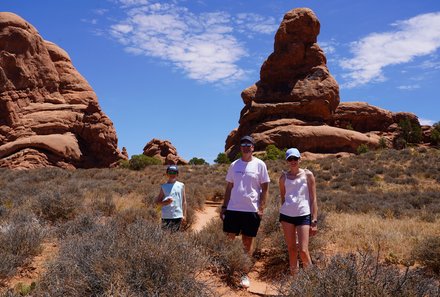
x: 258, y: 287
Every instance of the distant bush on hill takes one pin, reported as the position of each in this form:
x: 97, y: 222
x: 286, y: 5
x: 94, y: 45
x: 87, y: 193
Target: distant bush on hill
x: 139, y: 162
x: 197, y: 161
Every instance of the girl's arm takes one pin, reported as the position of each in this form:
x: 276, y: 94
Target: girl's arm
x: 184, y: 203
x: 281, y: 181
x: 312, y: 195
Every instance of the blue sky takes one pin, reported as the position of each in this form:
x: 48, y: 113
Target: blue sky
x: 174, y: 70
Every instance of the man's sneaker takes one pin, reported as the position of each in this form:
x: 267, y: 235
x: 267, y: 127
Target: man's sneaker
x: 245, y: 282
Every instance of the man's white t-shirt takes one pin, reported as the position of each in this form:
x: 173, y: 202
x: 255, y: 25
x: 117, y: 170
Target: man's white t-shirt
x: 247, y: 178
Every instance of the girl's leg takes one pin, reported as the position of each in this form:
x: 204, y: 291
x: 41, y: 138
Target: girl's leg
x: 290, y: 237
x: 303, y: 243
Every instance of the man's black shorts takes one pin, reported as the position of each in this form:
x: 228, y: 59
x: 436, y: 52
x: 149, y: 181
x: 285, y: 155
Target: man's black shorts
x: 246, y: 223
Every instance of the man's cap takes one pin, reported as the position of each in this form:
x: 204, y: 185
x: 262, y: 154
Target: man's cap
x: 247, y: 138
x: 172, y: 168
x: 292, y: 152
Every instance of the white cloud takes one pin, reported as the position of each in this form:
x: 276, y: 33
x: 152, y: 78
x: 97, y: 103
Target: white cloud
x: 415, y: 37
x: 204, y: 45
x: 426, y: 122
x: 408, y: 87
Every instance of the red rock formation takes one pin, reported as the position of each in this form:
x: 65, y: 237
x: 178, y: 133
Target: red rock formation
x: 49, y: 114
x: 295, y: 102
x: 163, y: 150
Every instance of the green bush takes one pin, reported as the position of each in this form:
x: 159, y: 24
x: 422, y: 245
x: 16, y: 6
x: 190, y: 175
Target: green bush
x: 427, y: 252
x: 198, y: 161
x: 382, y: 143
x: 139, y: 162
x: 362, y: 149
x: 273, y: 153
x: 222, y: 158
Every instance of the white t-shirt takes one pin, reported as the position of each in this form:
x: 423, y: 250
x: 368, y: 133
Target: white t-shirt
x: 247, y: 178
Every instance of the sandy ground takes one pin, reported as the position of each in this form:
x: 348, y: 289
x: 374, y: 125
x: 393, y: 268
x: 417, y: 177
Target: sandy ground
x: 258, y: 287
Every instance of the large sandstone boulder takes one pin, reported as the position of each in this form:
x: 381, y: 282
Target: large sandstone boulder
x: 164, y: 151
x: 296, y: 101
x: 49, y: 114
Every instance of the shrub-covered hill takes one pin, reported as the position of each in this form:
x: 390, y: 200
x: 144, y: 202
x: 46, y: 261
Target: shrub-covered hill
x: 106, y: 228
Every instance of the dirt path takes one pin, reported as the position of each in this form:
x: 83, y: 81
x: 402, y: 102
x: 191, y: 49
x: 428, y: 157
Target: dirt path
x: 258, y: 287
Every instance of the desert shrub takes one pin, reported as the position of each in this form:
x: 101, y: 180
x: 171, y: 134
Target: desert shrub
x: 20, y: 240
x: 138, y: 259
x: 273, y: 153
x: 197, y: 161
x: 124, y: 164
x: 362, y: 149
x: 139, y: 162
x: 226, y: 256
x: 359, y: 275
x: 57, y: 205
x: 427, y: 252
x: 222, y: 158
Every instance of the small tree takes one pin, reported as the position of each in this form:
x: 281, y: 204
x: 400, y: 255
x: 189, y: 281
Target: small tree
x: 222, y: 158
x: 197, y: 161
x: 411, y: 132
x: 435, y: 134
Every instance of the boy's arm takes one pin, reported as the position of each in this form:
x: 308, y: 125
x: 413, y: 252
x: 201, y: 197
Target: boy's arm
x: 160, y: 197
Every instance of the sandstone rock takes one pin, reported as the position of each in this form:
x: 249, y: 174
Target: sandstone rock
x: 49, y: 114
x: 295, y: 74
x: 163, y: 150
x: 295, y: 102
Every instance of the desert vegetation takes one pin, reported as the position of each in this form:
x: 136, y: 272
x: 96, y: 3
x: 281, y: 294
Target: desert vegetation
x: 379, y: 230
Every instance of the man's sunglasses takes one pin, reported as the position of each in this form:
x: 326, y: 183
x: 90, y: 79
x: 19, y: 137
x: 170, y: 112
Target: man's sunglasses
x: 290, y: 159
x: 172, y: 172
x: 246, y: 144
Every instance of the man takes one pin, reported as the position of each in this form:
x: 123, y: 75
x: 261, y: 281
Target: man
x: 245, y: 197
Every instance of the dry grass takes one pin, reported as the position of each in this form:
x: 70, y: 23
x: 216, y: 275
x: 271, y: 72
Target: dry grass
x: 397, y: 238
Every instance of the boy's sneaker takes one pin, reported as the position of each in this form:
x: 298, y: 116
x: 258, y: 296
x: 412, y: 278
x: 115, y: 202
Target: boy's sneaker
x: 245, y: 282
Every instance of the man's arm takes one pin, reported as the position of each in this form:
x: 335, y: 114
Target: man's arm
x: 228, y: 190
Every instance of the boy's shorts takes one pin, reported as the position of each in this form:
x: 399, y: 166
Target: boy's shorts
x: 246, y: 223
x: 172, y: 225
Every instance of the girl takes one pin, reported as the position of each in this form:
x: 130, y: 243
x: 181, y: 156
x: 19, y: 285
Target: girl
x: 299, y: 209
